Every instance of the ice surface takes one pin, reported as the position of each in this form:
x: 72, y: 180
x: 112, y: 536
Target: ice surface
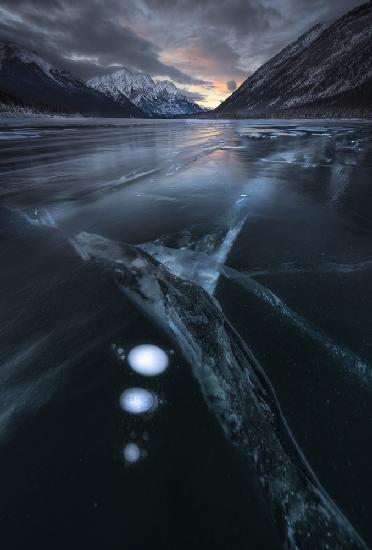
x: 235, y: 388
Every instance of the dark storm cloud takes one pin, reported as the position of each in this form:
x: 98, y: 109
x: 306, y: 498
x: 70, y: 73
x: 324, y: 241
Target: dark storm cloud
x: 194, y: 96
x: 245, y: 16
x: 203, y: 43
x: 241, y: 16
x: 86, y: 37
x: 259, y: 27
x: 231, y: 85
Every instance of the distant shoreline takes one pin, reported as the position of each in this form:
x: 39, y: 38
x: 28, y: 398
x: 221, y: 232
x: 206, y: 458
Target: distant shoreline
x: 41, y: 119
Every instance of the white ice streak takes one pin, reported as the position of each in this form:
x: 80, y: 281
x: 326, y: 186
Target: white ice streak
x: 23, y: 390
x: 204, y: 153
x: 347, y: 358
x: 203, y: 268
x: 323, y: 267
x: 39, y: 217
x: 205, y: 271
x: 88, y: 246
x: 135, y: 175
x: 262, y: 132
x: 221, y: 254
x: 233, y: 147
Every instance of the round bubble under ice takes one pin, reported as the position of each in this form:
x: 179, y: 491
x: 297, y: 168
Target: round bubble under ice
x: 137, y: 400
x: 148, y: 360
x: 132, y: 453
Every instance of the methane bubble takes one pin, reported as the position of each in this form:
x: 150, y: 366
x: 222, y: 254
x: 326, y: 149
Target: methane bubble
x: 148, y: 360
x: 131, y: 453
x: 137, y: 401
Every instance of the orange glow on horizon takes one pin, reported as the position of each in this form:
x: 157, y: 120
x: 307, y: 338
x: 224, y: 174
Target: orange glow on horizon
x: 191, y: 61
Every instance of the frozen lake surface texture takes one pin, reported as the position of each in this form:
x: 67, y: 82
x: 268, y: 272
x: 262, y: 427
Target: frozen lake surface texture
x: 186, y: 334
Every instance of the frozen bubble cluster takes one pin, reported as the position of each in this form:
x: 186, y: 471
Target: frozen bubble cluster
x: 119, y: 351
x: 148, y: 360
x: 138, y: 401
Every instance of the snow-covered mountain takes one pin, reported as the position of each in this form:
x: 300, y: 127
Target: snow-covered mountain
x: 157, y: 98
x: 325, y: 72
x: 28, y: 80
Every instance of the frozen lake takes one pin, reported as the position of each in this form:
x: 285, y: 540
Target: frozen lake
x: 261, y: 235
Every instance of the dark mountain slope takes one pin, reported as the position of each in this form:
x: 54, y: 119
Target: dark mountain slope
x: 325, y: 72
x: 26, y: 79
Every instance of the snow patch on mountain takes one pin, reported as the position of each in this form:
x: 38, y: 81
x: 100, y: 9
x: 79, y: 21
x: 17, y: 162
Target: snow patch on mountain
x: 11, y: 51
x: 27, y: 80
x: 157, y: 98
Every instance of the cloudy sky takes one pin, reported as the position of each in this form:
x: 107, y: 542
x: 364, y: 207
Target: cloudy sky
x: 207, y: 47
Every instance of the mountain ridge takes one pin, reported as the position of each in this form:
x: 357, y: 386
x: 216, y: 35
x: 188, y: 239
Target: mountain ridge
x: 28, y: 80
x: 156, y: 98
x: 325, y: 72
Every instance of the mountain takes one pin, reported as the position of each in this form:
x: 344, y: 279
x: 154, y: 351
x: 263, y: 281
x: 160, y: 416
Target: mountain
x: 327, y: 72
x: 157, y: 98
x: 28, y: 80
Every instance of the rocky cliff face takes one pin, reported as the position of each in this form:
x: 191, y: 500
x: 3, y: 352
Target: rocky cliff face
x: 325, y: 72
